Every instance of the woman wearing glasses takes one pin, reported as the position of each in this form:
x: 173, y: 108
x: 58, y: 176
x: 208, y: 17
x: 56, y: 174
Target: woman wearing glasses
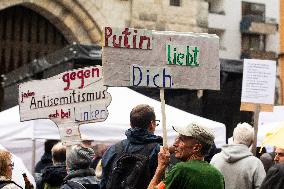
x: 6, y: 168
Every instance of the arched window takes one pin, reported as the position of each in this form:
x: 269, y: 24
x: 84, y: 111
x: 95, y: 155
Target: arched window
x: 26, y: 35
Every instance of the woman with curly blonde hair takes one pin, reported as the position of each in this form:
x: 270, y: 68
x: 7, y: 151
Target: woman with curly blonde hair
x: 6, y: 168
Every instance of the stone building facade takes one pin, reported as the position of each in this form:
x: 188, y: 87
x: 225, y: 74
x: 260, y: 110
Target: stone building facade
x: 30, y: 29
x: 40, y: 27
x: 82, y: 20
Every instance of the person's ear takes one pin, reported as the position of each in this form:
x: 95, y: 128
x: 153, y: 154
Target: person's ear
x: 197, y: 147
x: 151, y: 127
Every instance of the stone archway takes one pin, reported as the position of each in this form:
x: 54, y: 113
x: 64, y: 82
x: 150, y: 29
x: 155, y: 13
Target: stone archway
x: 70, y: 17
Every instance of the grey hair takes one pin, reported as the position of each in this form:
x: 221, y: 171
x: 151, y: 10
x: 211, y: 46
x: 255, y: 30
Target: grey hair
x: 243, y: 134
x: 79, y: 157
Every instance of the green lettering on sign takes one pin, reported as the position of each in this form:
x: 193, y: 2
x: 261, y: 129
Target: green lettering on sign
x: 183, y: 55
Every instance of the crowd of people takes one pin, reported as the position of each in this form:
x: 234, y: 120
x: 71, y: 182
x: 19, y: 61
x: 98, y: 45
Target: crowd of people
x: 141, y: 162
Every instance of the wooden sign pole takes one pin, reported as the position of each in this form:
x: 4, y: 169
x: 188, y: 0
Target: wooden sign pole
x: 162, y: 97
x: 33, y: 156
x: 69, y: 133
x: 255, y: 126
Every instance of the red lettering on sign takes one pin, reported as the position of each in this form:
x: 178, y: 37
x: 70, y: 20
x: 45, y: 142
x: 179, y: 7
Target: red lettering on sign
x: 55, y: 115
x: 82, y: 75
x: 65, y: 114
x: 27, y: 95
x: 108, y: 33
x: 131, y: 38
x: 69, y: 131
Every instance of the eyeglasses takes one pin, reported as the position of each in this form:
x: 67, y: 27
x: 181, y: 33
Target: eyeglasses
x: 11, y: 164
x: 157, y: 122
x: 279, y: 154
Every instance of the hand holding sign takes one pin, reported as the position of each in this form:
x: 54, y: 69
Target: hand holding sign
x: 69, y: 99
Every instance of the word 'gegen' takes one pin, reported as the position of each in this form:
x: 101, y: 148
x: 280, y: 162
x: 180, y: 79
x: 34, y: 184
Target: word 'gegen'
x: 82, y: 75
x: 128, y: 38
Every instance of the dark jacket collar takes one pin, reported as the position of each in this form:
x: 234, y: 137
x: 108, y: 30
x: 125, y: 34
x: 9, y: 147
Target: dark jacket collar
x: 80, y: 173
x: 141, y: 136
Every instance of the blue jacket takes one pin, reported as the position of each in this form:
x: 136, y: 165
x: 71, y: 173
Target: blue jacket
x: 137, y: 138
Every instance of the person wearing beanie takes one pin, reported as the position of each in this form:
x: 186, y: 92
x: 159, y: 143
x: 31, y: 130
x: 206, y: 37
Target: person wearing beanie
x: 190, y: 147
x: 78, y: 163
x: 236, y: 162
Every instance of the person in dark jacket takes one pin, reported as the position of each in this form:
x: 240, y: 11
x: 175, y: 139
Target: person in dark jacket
x: 275, y: 176
x: 46, y: 160
x: 78, y: 163
x: 213, y: 150
x: 268, y: 160
x: 141, y: 133
x: 52, y: 176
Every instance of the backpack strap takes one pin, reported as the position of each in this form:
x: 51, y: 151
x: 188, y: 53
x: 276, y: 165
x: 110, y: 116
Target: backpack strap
x: 150, y: 147
x: 5, y: 182
x: 75, y: 184
x: 123, y: 147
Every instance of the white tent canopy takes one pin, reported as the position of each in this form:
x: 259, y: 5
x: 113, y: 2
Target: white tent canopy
x: 109, y: 131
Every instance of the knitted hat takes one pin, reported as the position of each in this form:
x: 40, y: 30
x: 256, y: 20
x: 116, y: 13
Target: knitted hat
x: 79, y: 157
x: 197, y: 131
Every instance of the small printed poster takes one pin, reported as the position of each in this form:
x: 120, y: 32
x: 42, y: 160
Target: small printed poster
x: 259, y: 78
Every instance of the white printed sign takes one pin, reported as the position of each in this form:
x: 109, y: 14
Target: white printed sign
x: 69, y: 99
x: 258, y: 81
x: 190, y: 59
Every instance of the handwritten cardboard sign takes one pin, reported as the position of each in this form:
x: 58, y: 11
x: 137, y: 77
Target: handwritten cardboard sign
x: 127, y: 38
x: 182, y: 55
x: 258, y: 85
x: 69, y: 99
x: 191, y: 60
x: 150, y: 76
